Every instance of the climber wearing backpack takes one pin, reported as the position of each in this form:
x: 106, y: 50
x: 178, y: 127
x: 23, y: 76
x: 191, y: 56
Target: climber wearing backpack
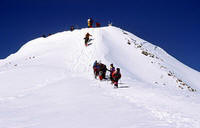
x: 116, y: 75
x: 102, y: 71
x: 112, y: 69
x: 87, y: 37
x: 96, y: 67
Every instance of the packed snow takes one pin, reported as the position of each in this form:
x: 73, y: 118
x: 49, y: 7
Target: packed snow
x: 49, y: 83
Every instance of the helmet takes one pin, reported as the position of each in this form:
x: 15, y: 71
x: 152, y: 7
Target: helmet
x: 118, y: 69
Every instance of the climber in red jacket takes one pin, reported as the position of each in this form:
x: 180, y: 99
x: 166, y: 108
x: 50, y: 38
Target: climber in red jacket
x: 116, y: 75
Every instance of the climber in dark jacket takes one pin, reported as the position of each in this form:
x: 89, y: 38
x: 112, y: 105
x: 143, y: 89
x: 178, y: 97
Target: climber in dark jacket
x: 87, y: 37
x: 112, y: 69
x: 96, y: 68
x: 102, y: 71
x: 72, y: 28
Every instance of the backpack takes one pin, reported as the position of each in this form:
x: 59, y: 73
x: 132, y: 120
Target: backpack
x: 116, y: 74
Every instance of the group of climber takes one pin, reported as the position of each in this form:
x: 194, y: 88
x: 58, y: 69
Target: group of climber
x: 90, y: 23
x: 100, y: 72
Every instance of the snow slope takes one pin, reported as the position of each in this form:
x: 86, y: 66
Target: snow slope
x: 49, y: 83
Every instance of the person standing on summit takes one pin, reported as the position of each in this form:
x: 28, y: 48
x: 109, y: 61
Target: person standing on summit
x: 72, y: 28
x: 90, y: 22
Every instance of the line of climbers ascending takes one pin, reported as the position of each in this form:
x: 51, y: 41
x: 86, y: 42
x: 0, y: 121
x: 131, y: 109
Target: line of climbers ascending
x: 87, y: 36
x: 98, y: 67
x: 100, y: 71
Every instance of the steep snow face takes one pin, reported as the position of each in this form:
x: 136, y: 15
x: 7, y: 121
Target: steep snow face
x: 137, y: 58
x: 49, y: 82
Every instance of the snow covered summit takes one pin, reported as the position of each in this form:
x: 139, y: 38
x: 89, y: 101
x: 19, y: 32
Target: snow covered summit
x: 139, y: 59
x: 49, y: 82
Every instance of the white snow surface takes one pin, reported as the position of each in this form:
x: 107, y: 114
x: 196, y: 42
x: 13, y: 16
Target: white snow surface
x: 49, y: 83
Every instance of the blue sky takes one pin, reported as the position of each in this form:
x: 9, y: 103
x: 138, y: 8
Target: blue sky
x: 174, y: 25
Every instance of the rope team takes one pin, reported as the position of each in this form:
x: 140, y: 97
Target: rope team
x: 100, y: 72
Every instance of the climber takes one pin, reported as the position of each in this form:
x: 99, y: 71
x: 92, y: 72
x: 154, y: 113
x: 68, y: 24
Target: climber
x: 90, y: 22
x: 44, y: 36
x: 102, y: 71
x: 87, y: 37
x: 116, y: 75
x: 112, y: 69
x: 72, y: 28
x: 96, y: 67
x: 98, y: 24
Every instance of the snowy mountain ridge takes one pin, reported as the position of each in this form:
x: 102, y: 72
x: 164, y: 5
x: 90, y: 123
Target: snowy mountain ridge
x: 158, y: 58
x: 49, y: 82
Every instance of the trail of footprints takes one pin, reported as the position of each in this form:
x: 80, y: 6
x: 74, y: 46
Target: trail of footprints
x: 15, y: 64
